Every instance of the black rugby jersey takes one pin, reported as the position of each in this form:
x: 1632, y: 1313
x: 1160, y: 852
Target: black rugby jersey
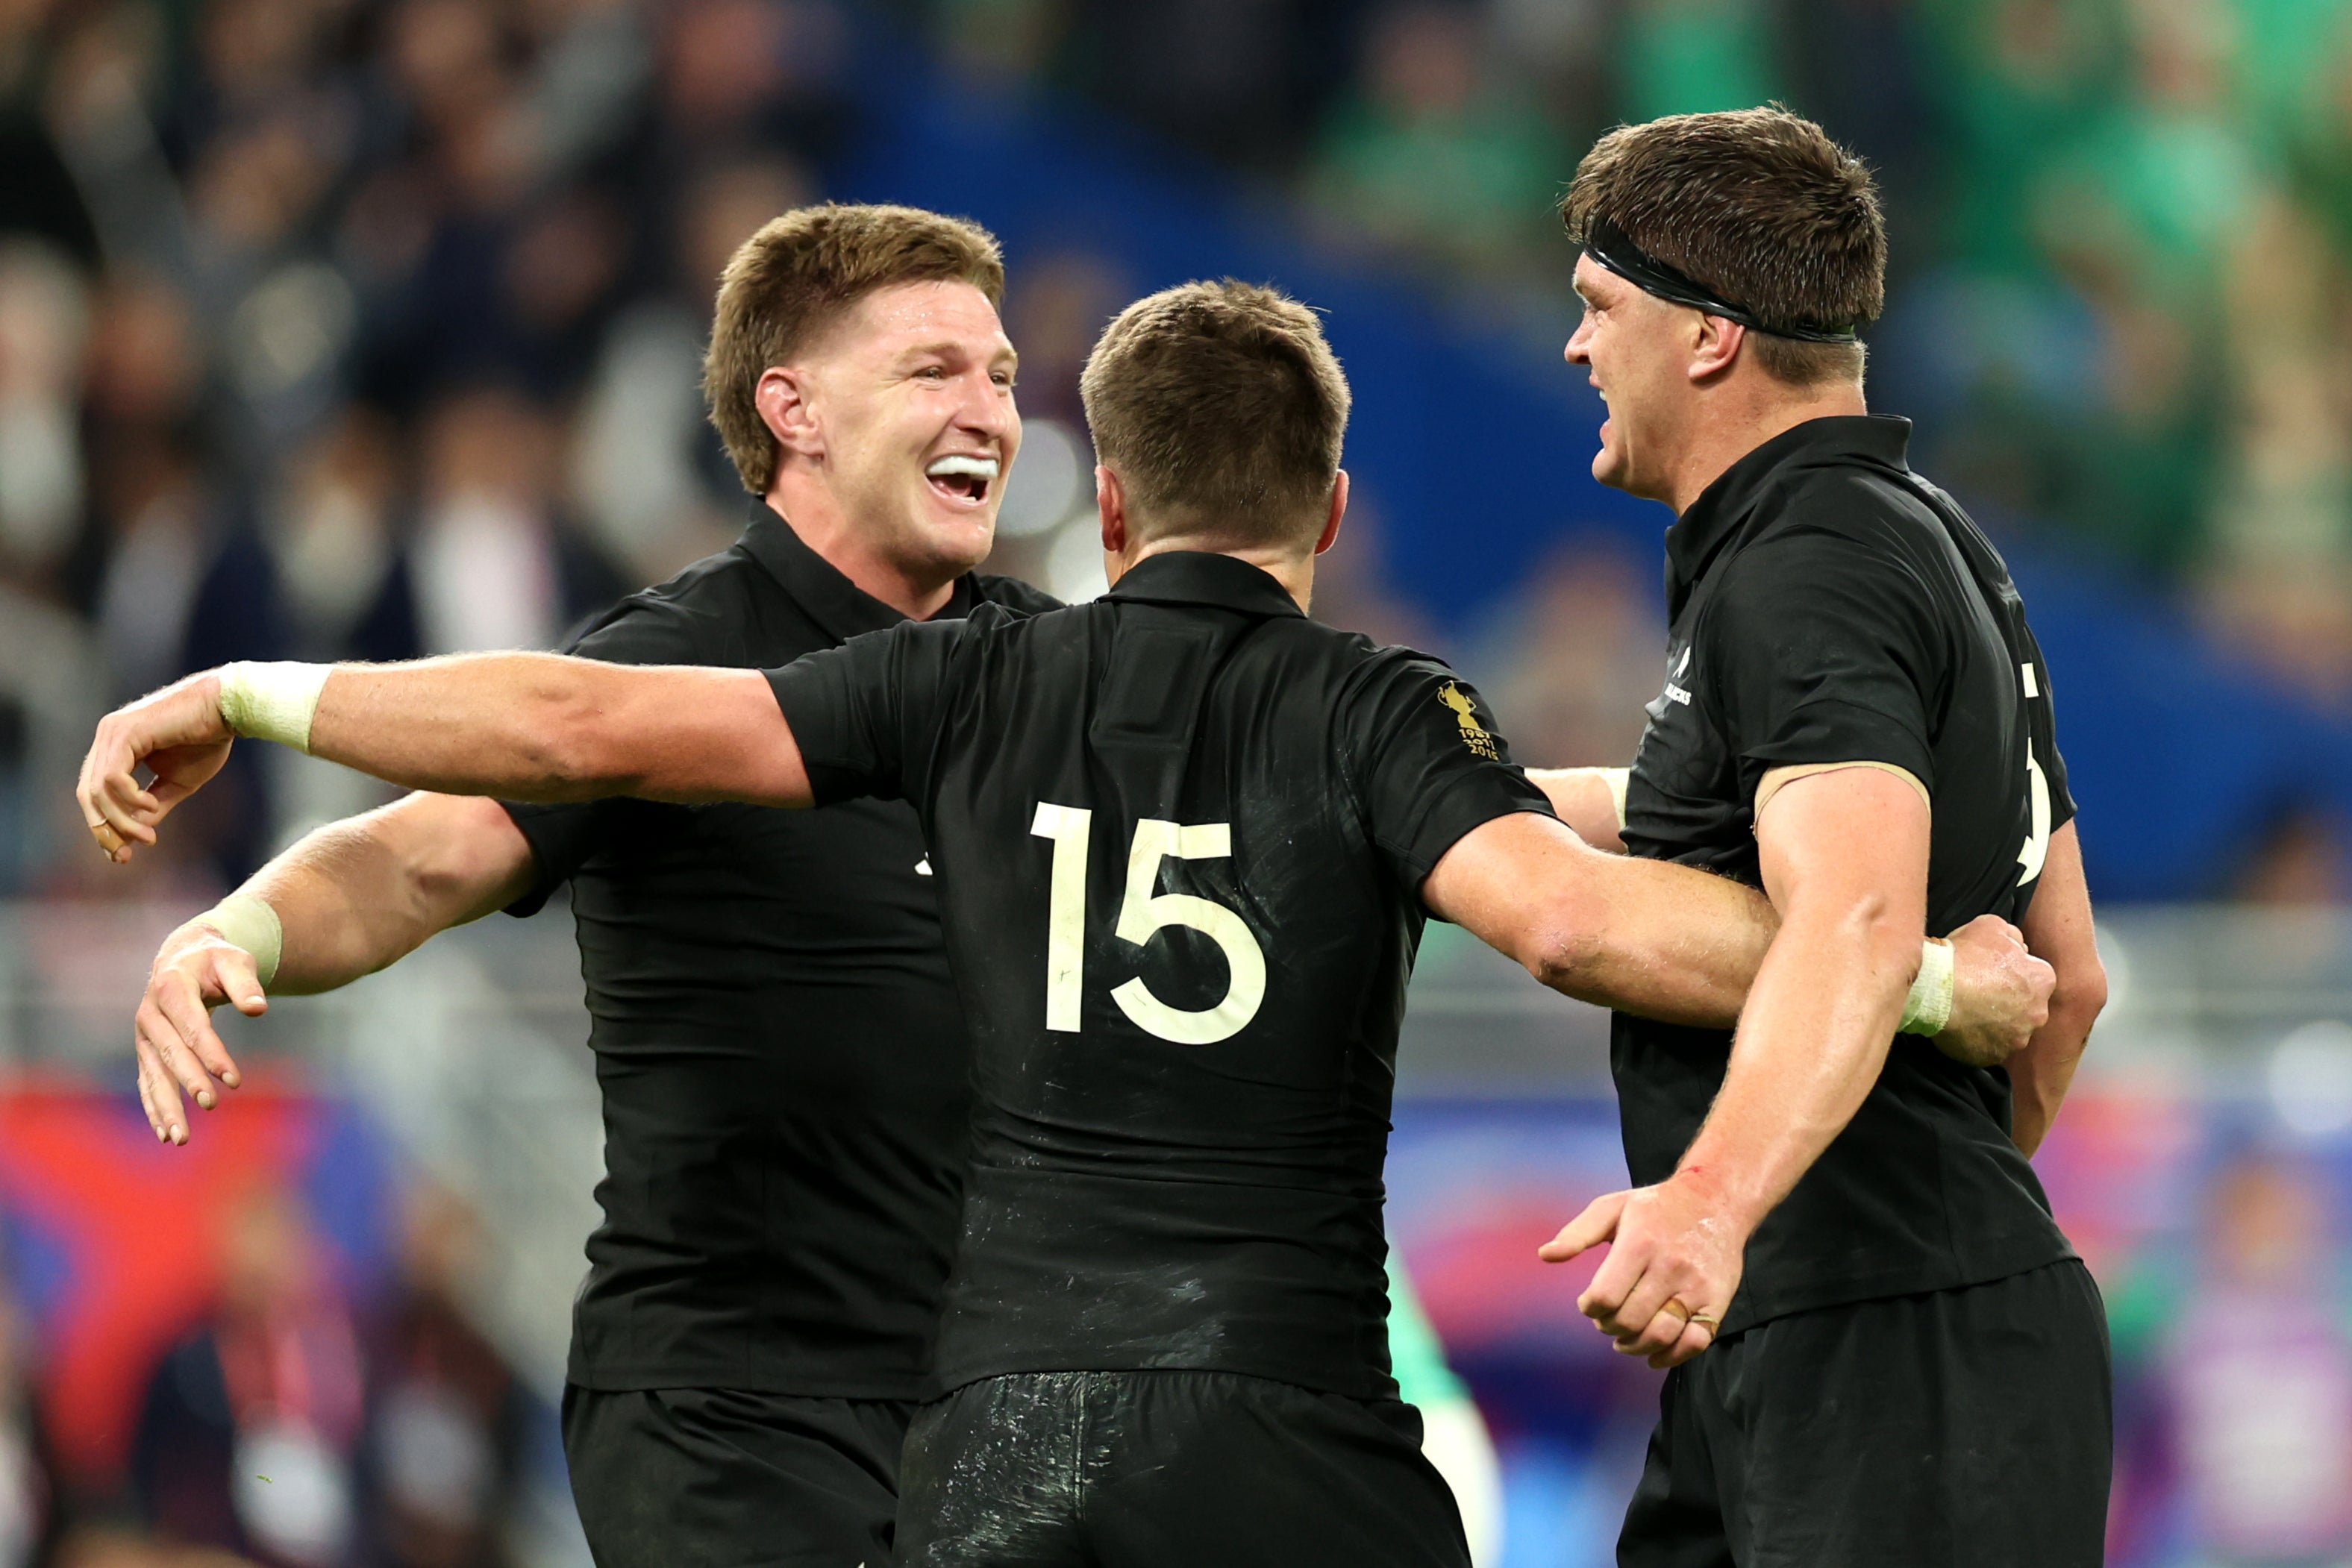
x: 1180, y: 834
x: 782, y: 1057
x: 1828, y: 605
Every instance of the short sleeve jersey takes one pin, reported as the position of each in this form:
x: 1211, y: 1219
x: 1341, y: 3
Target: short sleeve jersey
x: 1828, y: 605
x: 1180, y: 834
x: 783, y: 1060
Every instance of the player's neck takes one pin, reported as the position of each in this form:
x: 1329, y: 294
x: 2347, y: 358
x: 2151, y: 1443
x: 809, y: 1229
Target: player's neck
x: 1293, y: 571
x: 915, y: 591
x: 1721, y: 438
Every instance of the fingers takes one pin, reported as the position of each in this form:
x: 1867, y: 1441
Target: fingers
x: 1696, y: 1337
x: 1589, y: 1230
x: 112, y: 801
x: 187, y: 1011
x: 157, y: 1097
x: 180, y: 1064
x: 238, y: 981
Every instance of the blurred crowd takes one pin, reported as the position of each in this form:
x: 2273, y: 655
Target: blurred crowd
x: 371, y: 327
x: 287, y: 1425
x: 2123, y: 228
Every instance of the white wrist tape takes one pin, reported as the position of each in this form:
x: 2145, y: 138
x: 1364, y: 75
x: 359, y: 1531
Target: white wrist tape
x: 1619, y: 780
x: 273, y: 702
x: 1928, y: 1008
x: 247, y: 920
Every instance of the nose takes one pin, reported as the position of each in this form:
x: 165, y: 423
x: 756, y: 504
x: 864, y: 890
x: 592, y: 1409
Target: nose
x: 986, y: 409
x: 1579, y: 350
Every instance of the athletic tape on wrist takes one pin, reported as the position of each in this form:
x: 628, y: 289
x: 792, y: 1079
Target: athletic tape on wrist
x: 247, y: 920
x: 273, y: 702
x: 1619, y: 780
x: 1928, y: 1007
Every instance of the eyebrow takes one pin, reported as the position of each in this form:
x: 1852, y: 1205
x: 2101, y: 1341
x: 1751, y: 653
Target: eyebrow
x: 949, y: 351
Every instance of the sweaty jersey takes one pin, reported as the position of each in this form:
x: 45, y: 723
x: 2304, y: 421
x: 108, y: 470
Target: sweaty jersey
x: 783, y: 1060
x: 1179, y: 834
x: 1828, y: 605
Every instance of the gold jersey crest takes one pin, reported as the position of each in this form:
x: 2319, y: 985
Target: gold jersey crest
x: 1465, y: 714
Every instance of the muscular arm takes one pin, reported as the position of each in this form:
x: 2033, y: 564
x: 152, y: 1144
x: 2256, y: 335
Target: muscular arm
x: 1844, y: 856
x: 1665, y: 941
x: 526, y: 727
x: 2058, y: 928
x: 351, y: 898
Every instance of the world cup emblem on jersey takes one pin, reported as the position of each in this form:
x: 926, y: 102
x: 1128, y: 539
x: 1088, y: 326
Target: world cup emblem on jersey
x: 1465, y: 714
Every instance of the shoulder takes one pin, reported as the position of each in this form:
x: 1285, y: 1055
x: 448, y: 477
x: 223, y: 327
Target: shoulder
x: 1012, y: 593
x: 1835, y: 530
x: 695, y: 617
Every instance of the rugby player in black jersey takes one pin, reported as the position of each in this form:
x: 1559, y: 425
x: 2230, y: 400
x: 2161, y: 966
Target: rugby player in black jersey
x: 781, y: 1057
x: 1857, y: 718
x: 1186, y: 839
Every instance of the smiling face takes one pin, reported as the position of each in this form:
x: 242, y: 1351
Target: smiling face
x: 1636, y: 349
x: 910, y: 422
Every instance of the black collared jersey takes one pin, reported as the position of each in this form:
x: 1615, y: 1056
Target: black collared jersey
x: 1828, y: 605
x: 783, y: 1062
x: 1180, y: 835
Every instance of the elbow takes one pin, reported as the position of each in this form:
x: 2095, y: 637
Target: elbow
x: 567, y: 747
x: 1566, y: 949
x: 1889, y: 939
x: 2080, y: 997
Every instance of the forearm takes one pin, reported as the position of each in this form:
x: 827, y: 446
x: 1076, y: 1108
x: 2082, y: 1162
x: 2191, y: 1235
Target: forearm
x: 1810, y: 1045
x: 1665, y: 941
x: 1592, y: 800
x: 2040, y: 1074
x: 355, y: 896
x: 525, y: 726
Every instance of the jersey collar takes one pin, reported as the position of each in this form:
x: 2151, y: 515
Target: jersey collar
x: 837, y: 604
x: 1203, y: 577
x: 1699, y: 535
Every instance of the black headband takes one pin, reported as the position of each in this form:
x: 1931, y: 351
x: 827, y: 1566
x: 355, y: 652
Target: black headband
x: 1606, y: 244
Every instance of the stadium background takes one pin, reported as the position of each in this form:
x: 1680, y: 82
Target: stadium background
x: 332, y: 328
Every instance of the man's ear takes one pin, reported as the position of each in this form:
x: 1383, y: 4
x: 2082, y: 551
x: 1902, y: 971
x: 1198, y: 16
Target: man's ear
x: 1718, y: 348
x: 1330, y: 534
x: 782, y: 399
x: 1110, y: 500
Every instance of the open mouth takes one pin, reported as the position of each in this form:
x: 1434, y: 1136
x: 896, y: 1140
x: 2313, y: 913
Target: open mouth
x: 962, y: 477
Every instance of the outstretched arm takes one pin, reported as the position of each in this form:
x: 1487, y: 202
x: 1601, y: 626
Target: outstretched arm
x: 346, y: 901
x: 527, y: 727
x: 2058, y: 928
x: 1681, y: 946
x: 1665, y: 941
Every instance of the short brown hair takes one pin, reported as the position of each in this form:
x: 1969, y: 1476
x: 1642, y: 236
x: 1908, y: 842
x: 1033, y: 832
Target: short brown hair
x: 1759, y: 205
x: 1221, y: 409
x: 797, y: 276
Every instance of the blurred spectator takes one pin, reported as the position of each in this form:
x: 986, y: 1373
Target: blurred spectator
x: 652, y: 482
x: 44, y: 325
x: 1574, y: 658
x: 1419, y: 156
x: 2263, y: 1420
x: 249, y: 1431
x: 493, y: 563
x: 445, y: 1412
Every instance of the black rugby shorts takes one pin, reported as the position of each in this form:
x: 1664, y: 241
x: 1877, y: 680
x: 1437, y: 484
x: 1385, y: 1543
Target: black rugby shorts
x: 715, y: 1478
x: 1170, y: 1469
x: 1965, y: 1429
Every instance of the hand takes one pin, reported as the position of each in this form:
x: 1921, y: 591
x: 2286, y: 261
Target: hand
x: 173, y: 1035
x: 179, y: 734
x: 2000, y: 993
x: 1674, y: 1264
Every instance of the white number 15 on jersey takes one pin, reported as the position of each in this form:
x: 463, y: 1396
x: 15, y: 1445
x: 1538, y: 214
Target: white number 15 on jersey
x: 1141, y: 913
